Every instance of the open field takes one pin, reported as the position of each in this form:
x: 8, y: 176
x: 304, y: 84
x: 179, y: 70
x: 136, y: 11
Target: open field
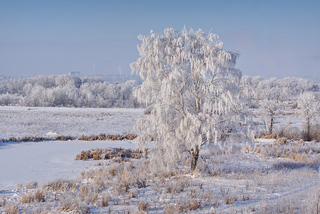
x: 268, y: 176
x: 22, y: 122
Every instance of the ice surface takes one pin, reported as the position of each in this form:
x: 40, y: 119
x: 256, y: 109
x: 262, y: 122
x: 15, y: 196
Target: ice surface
x: 46, y: 161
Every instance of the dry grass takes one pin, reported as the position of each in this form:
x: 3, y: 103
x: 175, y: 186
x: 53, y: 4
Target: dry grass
x: 37, y: 196
x: 105, y: 201
x: 295, y: 150
x: 193, y: 204
x: 122, y: 185
x: 61, y: 185
x: 143, y: 206
x: 11, y: 208
x: 117, y: 154
x: 32, y: 185
x: 112, y: 137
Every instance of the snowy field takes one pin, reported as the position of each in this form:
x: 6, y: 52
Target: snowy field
x: 42, y: 121
x: 270, y: 176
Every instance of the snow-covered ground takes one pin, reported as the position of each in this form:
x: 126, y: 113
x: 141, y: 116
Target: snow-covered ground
x: 39, y: 121
x: 268, y: 177
x: 46, y: 161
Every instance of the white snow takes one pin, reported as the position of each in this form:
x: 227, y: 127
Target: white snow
x: 40, y: 121
x: 46, y: 161
x: 266, y: 181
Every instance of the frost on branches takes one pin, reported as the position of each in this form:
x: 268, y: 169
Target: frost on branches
x: 308, y: 106
x: 193, y: 86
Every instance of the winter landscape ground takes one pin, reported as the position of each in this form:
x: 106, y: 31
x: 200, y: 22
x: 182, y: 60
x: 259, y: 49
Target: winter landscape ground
x: 269, y: 176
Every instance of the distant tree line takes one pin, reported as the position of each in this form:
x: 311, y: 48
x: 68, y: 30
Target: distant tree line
x: 287, y: 89
x: 67, y: 91
x: 94, y: 92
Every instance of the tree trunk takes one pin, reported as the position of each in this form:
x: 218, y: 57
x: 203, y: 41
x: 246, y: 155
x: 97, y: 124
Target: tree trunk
x: 271, y: 125
x: 308, y: 131
x: 194, y: 158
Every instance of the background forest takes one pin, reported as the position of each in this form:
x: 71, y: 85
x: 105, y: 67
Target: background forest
x: 95, y: 92
x: 66, y: 91
x: 268, y: 99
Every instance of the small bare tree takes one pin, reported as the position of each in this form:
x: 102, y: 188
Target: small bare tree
x: 308, y: 106
x: 193, y: 86
x: 270, y: 109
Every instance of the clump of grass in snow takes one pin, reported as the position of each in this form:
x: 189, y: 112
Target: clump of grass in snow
x: 112, y: 137
x: 11, y: 208
x: 32, y: 185
x: 108, y: 153
x: 62, y: 185
x: 37, y: 196
x: 143, y: 206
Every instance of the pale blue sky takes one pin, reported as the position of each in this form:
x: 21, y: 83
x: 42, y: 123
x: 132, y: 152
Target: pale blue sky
x: 44, y: 37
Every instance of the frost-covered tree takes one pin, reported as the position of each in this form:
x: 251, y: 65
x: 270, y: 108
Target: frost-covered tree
x: 193, y: 86
x: 308, y: 106
x: 269, y: 109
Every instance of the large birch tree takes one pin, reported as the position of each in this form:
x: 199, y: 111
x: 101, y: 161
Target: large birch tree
x: 192, y: 84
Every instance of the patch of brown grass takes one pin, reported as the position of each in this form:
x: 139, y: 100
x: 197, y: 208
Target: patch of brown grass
x: 11, y: 208
x: 37, y: 196
x: 143, y: 206
x: 61, y: 185
x: 105, y: 201
x: 193, y: 204
x: 282, y: 141
x: 116, y: 154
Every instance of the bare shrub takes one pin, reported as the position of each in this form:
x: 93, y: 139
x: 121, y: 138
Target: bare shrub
x: 83, y: 192
x: 26, y: 198
x: 113, y: 137
x: 108, y: 153
x: 193, y: 204
x: 32, y: 185
x: 11, y: 208
x: 230, y: 199
x: 130, y: 136
x: 61, y: 185
x: 64, y: 138
x: 131, y: 194
x: 176, y: 185
x: 315, y: 132
x: 105, y: 201
x: 279, y: 206
x: 170, y: 209
x: 282, y: 141
x: 99, y: 182
x: 120, y: 188
x: 91, y: 198
x: 19, y: 186
x: 13, y: 139
x: 71, y: 203
x: 37, y: 196
x: 287, y: 131
x: 245, y: 196
x: 143, y: 206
